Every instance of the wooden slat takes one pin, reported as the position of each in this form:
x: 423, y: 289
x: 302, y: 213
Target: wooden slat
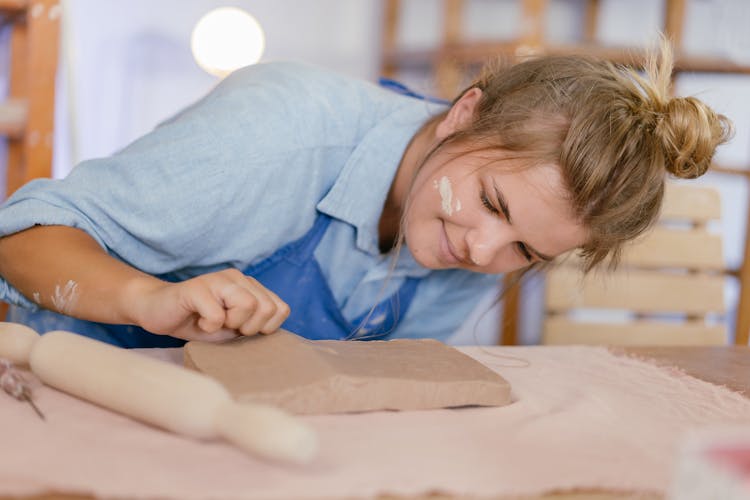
x: 638, y: 291
x: 34, y: 52
x: 44, y: 33
x: 533, y: 14
x: 662, y: 248
x: 741, y: 171
x: 452, y: 21
x: 511, y: 300
x: 591, y: 21
x: 674, y: 20
x: 561, y: 330
x: 13, y: 5
x: 665, y: 249
x: 15, y: 162
x: 28, y: 116
x: 389, y: 36
x: 477, y: 52
x: 448, y: 72
x: 742, y: 324
x: 689, y: 202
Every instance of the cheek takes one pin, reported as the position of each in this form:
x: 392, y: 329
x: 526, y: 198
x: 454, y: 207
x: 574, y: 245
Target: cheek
x: 421, y: 233
x: 412, y: 223
x: 424, y: 203
x: 414, y: 240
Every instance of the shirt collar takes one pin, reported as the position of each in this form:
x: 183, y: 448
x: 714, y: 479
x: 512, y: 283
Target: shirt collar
x: 358, y: 195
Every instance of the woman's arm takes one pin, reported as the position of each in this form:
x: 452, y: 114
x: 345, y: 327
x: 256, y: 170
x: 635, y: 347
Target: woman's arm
x: 65, y: 270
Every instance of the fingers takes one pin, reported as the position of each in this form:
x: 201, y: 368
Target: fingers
x: 217, y: 306
x: 211, y: 314
x: 249, y: 307
x: 279, y: 316
x: 270, y: 312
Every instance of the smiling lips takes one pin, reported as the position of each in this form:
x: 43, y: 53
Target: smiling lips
x: 448, y: 254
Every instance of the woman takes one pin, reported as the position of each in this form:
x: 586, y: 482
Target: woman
x: 293, y: 197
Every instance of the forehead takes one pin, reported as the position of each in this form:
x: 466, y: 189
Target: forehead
x: 545, y: 178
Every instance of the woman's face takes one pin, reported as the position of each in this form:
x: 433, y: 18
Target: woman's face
x: 472, y: 212
x: 483, y: 211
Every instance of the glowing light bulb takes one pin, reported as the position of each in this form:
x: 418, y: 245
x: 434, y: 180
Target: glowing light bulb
x: 225, y: 39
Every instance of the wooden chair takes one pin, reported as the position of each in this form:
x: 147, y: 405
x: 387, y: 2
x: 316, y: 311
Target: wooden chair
x: 668, y: 288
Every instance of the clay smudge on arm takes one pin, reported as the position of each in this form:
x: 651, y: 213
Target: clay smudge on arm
x: 65, y: 297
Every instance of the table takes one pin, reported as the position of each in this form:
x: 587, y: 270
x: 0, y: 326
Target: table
x: 727, y: 366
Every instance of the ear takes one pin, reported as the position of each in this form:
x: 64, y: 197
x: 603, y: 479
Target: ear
x: 460, y: 114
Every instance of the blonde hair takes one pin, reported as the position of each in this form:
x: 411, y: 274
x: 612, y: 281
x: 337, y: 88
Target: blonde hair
x: 614, y: 134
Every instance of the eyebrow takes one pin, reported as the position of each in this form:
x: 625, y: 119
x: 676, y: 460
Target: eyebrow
x: 506, y: 212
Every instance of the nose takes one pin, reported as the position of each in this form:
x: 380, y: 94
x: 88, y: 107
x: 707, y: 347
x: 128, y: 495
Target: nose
x: 485, y: 241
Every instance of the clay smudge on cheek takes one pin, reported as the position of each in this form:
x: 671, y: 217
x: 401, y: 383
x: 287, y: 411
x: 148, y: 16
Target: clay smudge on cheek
x: 65, y: 297
x: 480, y: 247
x: 37, y: 298
x: 446, y: 194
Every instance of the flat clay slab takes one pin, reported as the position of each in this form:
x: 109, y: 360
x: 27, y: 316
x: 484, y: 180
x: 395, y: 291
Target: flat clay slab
x: 331, y: 376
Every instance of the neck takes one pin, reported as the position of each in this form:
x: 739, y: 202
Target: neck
x: 390, y: 218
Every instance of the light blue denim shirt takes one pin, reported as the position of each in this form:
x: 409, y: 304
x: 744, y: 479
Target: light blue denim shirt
x: 242, y: 172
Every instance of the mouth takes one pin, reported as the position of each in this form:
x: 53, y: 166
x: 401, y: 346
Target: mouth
x: 448, y: 255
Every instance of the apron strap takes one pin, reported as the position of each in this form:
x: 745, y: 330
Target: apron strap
x: 402, y: 89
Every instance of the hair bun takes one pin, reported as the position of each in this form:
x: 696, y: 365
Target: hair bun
x: 690, y: 131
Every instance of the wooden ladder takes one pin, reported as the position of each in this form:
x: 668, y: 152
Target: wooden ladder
x: 27, y: 115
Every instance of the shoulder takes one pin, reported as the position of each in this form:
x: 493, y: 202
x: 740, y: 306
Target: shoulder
x: 302, y: 92
x: 299, y: 103
x: 294, y: 77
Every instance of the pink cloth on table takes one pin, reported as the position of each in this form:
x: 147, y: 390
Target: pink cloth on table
x: 582, y: 418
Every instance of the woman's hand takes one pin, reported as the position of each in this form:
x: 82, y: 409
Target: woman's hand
x: 211, y: 307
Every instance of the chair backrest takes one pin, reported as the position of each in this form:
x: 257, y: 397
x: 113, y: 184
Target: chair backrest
x: 668, y: 289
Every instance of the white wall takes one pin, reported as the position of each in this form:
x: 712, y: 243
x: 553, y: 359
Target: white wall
x: 127, y: 65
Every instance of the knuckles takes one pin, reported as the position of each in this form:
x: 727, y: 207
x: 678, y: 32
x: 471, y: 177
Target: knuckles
x: 253, y: 308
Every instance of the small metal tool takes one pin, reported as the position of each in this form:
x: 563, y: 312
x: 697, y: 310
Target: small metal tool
x: 14, y: 384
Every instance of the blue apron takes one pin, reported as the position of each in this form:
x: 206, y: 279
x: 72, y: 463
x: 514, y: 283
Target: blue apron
x: 292, y: 273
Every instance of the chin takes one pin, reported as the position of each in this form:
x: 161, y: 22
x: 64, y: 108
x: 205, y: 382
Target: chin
x: 432, y: 262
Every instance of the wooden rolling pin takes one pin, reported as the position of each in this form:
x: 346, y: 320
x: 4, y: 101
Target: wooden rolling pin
x: 159, y: 393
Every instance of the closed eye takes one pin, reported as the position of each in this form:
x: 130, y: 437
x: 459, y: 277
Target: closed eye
x: 487, y: 204
x: 521, y: 247
x: 525, y: 252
